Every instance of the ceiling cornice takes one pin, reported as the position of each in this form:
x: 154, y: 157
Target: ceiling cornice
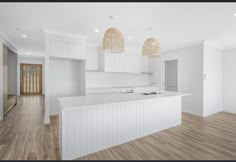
x: 64, y: 34
x: 209, y: 42
x: 7, y: 43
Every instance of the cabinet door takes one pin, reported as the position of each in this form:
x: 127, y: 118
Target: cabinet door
x: 77, y: 51
x: 108, y: 62
x: 113, y: 62
x: 59, y: 49
x: 137, y: 64
x: 144, y: 64
x: 131, y: 63
x: 92, y: 58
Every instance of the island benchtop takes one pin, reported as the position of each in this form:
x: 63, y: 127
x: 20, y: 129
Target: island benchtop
x: 80, y: 101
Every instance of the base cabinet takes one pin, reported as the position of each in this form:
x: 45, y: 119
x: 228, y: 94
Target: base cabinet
x: 88, y: 129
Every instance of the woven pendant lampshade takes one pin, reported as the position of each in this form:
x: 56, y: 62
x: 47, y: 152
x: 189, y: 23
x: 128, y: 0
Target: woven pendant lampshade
x: 151, y: 47
x: 113, y: 41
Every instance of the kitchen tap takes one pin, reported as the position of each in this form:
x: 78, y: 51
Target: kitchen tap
x: 153, y: 83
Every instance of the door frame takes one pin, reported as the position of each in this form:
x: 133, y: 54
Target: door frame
x: 40, y: 80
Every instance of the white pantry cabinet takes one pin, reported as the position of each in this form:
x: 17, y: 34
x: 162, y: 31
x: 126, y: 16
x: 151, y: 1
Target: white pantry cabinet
x: 144, y: 64
x: 59, y: 48
x: 77, y: 50
x: 92, y: 57
x: 113, y: 62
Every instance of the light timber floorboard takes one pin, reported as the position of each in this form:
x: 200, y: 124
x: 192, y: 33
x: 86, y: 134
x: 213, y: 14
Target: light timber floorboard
x: 23, y: 136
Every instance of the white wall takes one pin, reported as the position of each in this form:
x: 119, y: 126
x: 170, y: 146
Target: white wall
x: 199, y: 73
x: 30, y: 60
x: 190, y: 76
x: 212, y: 93
x: 67, y: 78
x: 12, y: 73
x: 229, y: 80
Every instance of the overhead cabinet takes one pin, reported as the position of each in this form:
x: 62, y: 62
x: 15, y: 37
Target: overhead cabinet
x: 62, y: 47
x: 131, y: 63
x: 121, y: 62
x: 59, y: 48
x: 113, y: 62
x: 77, y: 50
x: 144, y: 64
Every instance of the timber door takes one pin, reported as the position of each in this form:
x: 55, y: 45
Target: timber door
x: 31, y: 79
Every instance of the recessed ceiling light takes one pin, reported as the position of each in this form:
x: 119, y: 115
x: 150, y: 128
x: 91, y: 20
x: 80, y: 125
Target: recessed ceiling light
x: 149, y: 28
x: 96, y: 30
x: 129, y: 38
x: 24, y: 36
x: 234, y: 14
x: 112, y: 17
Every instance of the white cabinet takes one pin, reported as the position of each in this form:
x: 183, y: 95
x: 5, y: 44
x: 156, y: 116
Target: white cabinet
x: 92, y: 58
x: 121, y: 62
x: 59, y: 48
x: 144, y: 64
x: 66, y: 47
x: 113, y: 62
x: 77, y: 51
x: 131, y: 63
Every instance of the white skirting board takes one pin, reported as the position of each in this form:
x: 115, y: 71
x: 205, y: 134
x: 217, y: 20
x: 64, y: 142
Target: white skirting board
x: 89, y: 129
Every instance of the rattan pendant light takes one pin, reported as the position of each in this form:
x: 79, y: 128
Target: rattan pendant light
x: 151, y: 47
x: 113, y: 41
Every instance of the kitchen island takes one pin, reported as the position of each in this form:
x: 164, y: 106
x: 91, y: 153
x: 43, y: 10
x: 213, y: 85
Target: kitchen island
x: 88, y: 124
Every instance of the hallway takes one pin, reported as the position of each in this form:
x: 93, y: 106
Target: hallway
x: 23, y: 134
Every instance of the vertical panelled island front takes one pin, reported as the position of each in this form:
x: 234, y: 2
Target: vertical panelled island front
x: 88, y: 124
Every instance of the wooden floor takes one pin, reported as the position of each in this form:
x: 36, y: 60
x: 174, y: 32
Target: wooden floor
x: 24, y: 136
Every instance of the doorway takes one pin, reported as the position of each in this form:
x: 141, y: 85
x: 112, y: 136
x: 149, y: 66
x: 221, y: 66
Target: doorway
x: 31, y: 79
x: 171, y: 75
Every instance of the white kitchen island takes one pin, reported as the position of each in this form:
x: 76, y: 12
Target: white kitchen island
x: 88, y: 124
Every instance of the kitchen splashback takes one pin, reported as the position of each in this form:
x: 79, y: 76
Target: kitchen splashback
x: 102, y: 79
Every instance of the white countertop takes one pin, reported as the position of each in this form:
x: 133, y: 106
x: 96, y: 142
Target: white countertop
x: 80, y: 101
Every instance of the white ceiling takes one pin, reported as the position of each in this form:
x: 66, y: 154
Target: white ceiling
x: 173, y: 24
